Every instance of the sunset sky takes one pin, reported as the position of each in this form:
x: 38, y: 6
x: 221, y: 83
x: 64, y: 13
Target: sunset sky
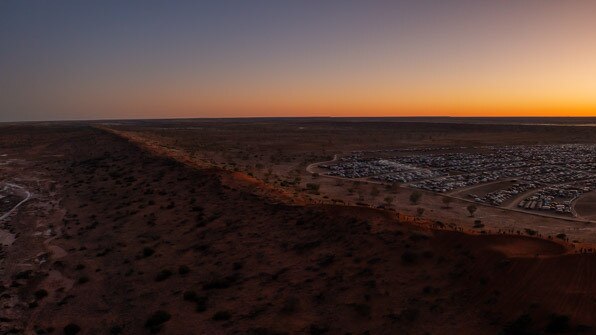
x: 160, y: 59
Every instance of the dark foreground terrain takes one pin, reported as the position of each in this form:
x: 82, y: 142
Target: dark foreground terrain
x: 118, y: 240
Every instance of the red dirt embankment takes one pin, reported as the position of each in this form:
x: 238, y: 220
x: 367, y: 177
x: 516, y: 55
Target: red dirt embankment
x: 554, y: 282
x: 233, y: 178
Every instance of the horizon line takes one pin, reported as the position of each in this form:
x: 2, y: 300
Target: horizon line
x: 290, y: 117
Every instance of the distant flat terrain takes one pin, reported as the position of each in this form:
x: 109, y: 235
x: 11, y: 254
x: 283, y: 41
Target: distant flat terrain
x: 473, y: 154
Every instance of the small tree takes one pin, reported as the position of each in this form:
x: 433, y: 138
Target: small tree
x: 420, y: 211
x: 374, y: 192
x: 313, y: 187
x: 472, y: 209
x: 360, y: 195
x: 388, y: 200
x: 415, y: 197
x: 447, y: 202
x: 394, y: 187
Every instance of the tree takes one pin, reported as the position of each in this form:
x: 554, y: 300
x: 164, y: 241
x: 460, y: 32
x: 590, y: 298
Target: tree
x: 415, y: 197
x: 388, y: 200
x: 447, y: 202
x: 420, y: 211
x: 394, y: 187
x: 313, y: 187
x: 478, y: 224
x: 472, y: 209
x: 374, y: 192
x: 360, y: 195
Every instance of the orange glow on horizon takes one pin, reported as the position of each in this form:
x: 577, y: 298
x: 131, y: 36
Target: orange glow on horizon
x: 398, y: 58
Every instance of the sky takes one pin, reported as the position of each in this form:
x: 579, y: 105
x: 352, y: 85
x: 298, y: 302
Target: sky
x: 114, y: 59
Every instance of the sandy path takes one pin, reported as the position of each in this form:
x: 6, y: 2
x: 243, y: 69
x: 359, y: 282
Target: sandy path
x: 310, y: 167
x: 27, y: 197
x: 6, y: 237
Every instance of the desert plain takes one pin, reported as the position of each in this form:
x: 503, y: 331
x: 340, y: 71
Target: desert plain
x: 240, y: 226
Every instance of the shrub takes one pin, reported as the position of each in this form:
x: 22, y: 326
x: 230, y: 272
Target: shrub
x: 237, y: 265
x: 418, y: 237
x: 40, y: 294
x: 362, y: 309
x: 420, y: 211
x: 409, y: 257
x: 201, y: 304
x: 472, y: 209
x: 163, y: 275
x: 190, y: 296
x: 447, y: 201
x: 23, y: 274
x: 156, y: 319
x: 521, y: 325
x: 558, y: 324
x: 326, y: 260
x: 410, y: 314
x: 183, y: 270
x: 114, y: 330
x: 388, y: 200
x: 290, y: 305
x: 221, y: 316
x: 312, y: 187
x: 148, y: 252
x: 415, y: 197
x: 219, y: 283
x: 201, y: 301
x: 318, y: 329
x: 71, y: 329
